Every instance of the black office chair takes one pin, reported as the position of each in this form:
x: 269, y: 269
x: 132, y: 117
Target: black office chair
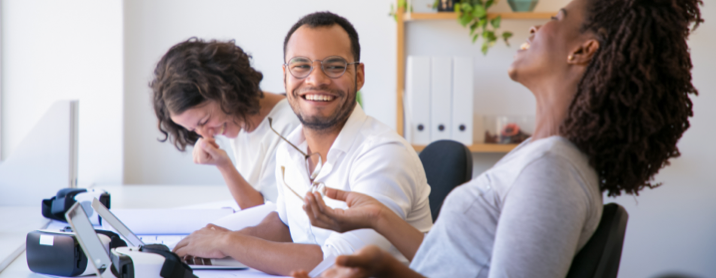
x: 601, y: 255
x: 447, y: 164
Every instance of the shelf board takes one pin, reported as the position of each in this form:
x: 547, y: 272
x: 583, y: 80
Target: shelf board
x: 453, y: 15
x: 483, y: 148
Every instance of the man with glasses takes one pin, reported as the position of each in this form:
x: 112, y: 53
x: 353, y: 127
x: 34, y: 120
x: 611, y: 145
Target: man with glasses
x: 336, y: 146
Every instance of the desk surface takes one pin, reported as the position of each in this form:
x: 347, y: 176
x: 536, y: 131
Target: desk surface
x: 16, y: 222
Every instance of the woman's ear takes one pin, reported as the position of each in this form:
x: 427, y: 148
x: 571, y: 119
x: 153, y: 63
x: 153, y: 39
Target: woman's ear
x: 584, y: 54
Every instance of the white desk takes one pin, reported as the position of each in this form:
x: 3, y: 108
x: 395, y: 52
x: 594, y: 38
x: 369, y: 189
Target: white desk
x: 16, y: 222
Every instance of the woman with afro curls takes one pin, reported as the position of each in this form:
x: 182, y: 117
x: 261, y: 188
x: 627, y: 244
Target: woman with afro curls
x: 612, y: 80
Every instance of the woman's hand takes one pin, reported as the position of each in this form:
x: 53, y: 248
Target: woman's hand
x: 205, y: 243
x: 207, y: 151
x: 370, y: 261
x: 363, y: 211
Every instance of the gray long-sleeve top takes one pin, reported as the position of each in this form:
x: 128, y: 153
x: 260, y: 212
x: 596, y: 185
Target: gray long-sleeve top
x: 525, y: 217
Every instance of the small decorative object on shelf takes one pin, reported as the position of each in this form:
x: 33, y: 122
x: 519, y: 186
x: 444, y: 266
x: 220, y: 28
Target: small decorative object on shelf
x: 508, y: 129
x: 522, y: 5
x: 445, y: 5
x: 401, y: 4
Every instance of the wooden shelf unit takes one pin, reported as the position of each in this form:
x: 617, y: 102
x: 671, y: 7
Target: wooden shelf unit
x: 402, y: 18
x: 482, y: 148
x: 453, y: 16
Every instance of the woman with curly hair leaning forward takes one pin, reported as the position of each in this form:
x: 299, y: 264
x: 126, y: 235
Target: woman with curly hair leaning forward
x: 612, y: 80
x: 202, y: 89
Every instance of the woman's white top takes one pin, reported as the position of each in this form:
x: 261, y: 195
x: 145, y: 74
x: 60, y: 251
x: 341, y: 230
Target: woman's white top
x: 255, y: 151
x: 525, y: 217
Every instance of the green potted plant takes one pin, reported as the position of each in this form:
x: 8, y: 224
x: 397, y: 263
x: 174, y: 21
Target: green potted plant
x: 473, y: 13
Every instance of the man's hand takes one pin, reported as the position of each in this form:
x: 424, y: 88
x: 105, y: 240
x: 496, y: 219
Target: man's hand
x: 363, y: 211
x: 205, y: 243
x: 207, y: 151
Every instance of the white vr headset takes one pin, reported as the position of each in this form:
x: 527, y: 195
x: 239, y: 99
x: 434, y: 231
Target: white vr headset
x: 127, y: 262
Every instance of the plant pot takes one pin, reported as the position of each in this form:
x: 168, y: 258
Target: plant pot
x: 522, y: 5
x: 446, y: 5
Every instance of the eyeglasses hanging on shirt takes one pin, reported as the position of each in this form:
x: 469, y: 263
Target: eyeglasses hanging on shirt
x: 313, y: 158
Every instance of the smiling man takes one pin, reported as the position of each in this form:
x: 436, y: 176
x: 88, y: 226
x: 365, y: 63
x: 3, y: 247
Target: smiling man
x: 336, y: 146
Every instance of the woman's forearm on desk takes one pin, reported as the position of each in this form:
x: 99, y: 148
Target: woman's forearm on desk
x: 244, y: 194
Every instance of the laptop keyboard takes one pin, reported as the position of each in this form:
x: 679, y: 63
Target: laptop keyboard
x: 168, y: 240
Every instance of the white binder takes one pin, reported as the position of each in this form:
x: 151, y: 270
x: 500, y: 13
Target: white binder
x: 462, y: 100
x: 441, y: 98
x: 417, y: 98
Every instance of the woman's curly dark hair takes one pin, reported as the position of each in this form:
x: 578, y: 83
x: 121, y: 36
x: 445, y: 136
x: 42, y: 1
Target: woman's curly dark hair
x: 194, y: 71
x: 633, y: 105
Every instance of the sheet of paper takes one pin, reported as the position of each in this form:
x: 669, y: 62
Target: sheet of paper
x: 249, y: 273
x: 245, y: 218
x: 167, y: 221
x: 229, y: 203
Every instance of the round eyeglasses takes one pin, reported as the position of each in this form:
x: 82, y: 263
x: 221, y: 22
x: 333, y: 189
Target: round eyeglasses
x: 333, y: 66
x: 311, y: 159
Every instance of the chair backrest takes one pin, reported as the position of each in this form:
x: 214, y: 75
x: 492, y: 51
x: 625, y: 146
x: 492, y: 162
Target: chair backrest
x: 447, y: 164
x: 601, y: 255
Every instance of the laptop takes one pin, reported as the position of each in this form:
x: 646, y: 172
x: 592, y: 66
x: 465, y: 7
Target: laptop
x: 134, y: 241
x: 97, y: 255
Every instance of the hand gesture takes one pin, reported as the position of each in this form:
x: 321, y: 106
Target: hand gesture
x: 207, y: 151
x: 363, y: 211
x: 204, y: 243
x: 370, y: 261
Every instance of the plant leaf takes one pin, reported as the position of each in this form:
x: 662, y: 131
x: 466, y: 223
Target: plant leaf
x: 506, y: 36
x: 489, y: 3
x: 456, y: 6
x: 474, y: 38
x: 473, y: 27
x: 489, y: 36
x: 483, y: 23
x: 496, y: 22
x: 485, y: 48
x: 479, y: 12
x: 465, y: 19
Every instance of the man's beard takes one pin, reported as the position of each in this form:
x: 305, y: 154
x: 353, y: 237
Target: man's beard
x: 323, y: 124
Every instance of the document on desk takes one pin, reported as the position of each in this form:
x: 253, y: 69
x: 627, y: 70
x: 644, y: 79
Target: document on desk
x: 250, y: 273
x: 185, y: 221
x: 245, y: 218
x: 167, y: 221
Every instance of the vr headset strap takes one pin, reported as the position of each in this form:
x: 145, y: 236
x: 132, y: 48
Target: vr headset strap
x: 55, y: 207
x: 173, y: 267
x: 115, y: 240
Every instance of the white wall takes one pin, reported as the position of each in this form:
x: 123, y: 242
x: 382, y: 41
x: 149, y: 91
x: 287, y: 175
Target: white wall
x: 152, y: 27
x: 69, y: 49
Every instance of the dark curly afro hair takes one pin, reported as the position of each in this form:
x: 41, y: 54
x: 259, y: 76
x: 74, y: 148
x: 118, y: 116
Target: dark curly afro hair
x: 633, y: 105
x: 194, y: 71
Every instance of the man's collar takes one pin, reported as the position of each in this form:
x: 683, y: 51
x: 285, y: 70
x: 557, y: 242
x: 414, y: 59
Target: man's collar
x: 350, y: 130
x: 345, y: 138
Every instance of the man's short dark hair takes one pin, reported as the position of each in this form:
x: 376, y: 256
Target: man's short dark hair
x: 326, y: 19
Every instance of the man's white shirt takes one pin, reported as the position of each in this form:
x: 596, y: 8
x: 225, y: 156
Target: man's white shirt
x: 367, y: 157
